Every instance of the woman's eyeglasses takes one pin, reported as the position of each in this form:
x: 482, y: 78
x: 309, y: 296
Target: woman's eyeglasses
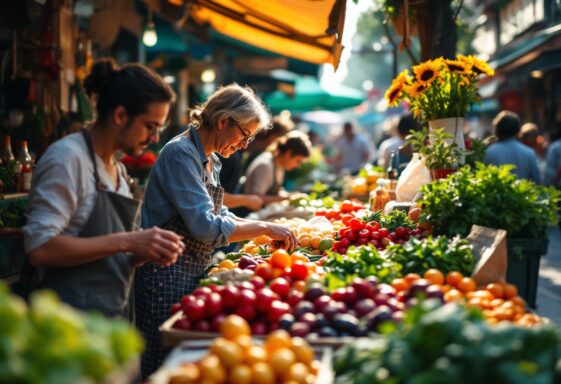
x: 246, y: 137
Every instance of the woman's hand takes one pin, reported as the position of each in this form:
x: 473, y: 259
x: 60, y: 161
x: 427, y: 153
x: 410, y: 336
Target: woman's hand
x: 158, y: 245
x: 253, y: 202
x: 283, y: 234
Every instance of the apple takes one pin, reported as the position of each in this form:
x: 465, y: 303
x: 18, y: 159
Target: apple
x: 308, y: 318
x: 314, y: 291
x: 246, y: 312
x: 277, y: 309
x: 213, y: 304
x: 216, y: 322
x: 264, y: 271
x: 186, y: 300
x: 195, y: 310
x: 257, y: 282
x: 286, y: 320
x: 298, y: 270
x: 247, y: 298
x: 381, y: 299
x: 245, y: 285
x: 378, y: 316
x: 202, y: 326
x: 339, y: 294
x: 362, y: 288
x: 294, y: 297
x: 280, y: 286
x: 259, y: 328
x: 175, y: 308
x: 364, y: 307
x: 264, y: 298
x: 395, y: 304
x: 182, y: 323
x: 321, y: 302
x: 302, y: 307
x: 350, y: 296
x: 202, y: 292
x: 299, y: 329
x: 230, y: 296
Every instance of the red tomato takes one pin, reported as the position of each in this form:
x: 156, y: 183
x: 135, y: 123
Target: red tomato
x: 383, y: 232
x: 280, y: 286
x: 362, y: 241
x: 374, y: 224
x: 299, y: 270
x: 346, y: 218
x: 356, y: 224
x: 347, y: 206
x: 342, y: 250
x: 364, y: 233
x: 345, y: 242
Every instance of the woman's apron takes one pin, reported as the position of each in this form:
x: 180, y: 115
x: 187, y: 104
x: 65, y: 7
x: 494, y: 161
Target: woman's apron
x: 158, y: 288
x: 103, y: 285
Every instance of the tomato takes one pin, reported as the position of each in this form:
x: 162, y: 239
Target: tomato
x: 352, y: 235
x: 280, y: 286
x: 383, y: 232
x: 264, y: 271
x: 346, y: 218
x: 321, y: 212
x: 299, y: 270
x: 400, y: 231
x: 342, y: 232
x: 356, y: 224
x: 347, y: 206
x: 264, y: 298
x: 374, y: 224
x: 342, y: 250
x: 364, y: 233
x: 362, y: 241
x: 345, y: 242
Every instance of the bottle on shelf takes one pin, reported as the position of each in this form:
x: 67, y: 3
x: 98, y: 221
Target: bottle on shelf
x: 7, y: 154
x: 26, y: 172
x: 379, y: 197
x: 392, y: 171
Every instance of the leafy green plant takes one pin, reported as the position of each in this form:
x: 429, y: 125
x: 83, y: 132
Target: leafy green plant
x: 492, y: 197
x: 396, y: 218
x: 452, y: 344
x: 440, y: 154
x: 446, y: 255
x: 8, y: 176
x: 12, y: 213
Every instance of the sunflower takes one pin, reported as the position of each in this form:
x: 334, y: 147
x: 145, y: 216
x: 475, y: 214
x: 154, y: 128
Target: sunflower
x: 428, y: 71
x: 395, y: 91
x: 478, y: 66
x: 457, y: 66
x: 415, y: 90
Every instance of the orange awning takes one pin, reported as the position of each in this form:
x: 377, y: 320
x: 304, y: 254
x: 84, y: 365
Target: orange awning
x: 307, y: 30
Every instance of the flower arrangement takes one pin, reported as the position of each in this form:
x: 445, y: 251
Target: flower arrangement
x: 439, y: 88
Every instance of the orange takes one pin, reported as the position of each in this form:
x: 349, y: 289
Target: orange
x: 233, y: 326
x: 281, y: 360
x: 280, y: 259
x: 229, y: 353
x: 483, y: 294
x: 510, y: 290
x: 400, y: 284
x: 496, y: 303
x: 211, y: 369
x: 315, y: 367
x: 312, y: 267
x: 434, y: 276
x: 278, y: 339
x: 278, y: 272
x: 476, y: 302
x: 298, y: 256
x: 244, y: 341
x: 185, y: 374
x: 240, y: 374
x: 227, y: 263
x: 297, y: 373
x: 518, y: 301
x: 262, y: 240
x: 302, y: 351
x: 496, y: 289
x: 453, y: 295
x: 410, y: 278
x: 454, y: 278
x: 466, y: 285
x: 262, y: 373
x: 255, y: 354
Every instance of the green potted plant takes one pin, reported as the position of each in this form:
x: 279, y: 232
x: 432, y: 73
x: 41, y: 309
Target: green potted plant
x: 494, y: 197
x: 441, y: 155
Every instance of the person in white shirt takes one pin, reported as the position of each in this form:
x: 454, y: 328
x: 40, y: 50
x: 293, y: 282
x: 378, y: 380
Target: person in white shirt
x: 353, y: 150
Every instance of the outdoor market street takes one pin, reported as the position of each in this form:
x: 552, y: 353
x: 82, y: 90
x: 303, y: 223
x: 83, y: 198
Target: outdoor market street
x: 549, y: 285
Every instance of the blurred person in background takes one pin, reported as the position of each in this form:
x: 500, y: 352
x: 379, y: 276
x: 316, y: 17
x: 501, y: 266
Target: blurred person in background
x: 530, y: 135
x: 265, y: 175
x: 353, y: 150
x: 553, y: 164
x: 407, y: 123
x: 392, y: 143
x: 509, y: 150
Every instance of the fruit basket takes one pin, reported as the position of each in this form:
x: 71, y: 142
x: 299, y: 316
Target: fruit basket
x: 190, y: 351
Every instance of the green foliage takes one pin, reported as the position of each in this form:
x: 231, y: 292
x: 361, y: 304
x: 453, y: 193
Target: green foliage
x: 440, y: 154
x: 12, y: 213
x: 396, y: 218
x: 361, y: 261
x: 446, y: 255
x: 50, y: 342
x: 8, y: 176
x: 492, y: 197
x: 452, y: 344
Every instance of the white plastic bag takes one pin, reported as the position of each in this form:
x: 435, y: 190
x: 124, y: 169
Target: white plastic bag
x: 414, y: 176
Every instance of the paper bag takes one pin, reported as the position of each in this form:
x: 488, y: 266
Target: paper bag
x: 489, y: 248
x: 415, y: 175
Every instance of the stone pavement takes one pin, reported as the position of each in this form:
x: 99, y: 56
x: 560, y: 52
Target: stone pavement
x: 549, y: 285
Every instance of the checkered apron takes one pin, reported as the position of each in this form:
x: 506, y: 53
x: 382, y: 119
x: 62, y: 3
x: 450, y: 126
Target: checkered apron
x: 157, y: 288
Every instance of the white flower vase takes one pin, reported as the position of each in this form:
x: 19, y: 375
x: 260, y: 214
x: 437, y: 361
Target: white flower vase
x: 455, y: 127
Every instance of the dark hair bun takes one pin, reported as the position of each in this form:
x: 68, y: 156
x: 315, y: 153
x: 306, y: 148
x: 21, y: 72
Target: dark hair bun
x: 102, y: 73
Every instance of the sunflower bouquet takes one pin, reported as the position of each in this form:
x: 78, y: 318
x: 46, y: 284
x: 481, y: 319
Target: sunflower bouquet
x: 439, y: 88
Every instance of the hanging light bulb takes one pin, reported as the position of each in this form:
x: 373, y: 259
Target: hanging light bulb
x: 150, y: 38
x: 208, y: 75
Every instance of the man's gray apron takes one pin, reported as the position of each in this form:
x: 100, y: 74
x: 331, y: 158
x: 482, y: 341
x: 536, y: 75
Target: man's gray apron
x: 103, y: 285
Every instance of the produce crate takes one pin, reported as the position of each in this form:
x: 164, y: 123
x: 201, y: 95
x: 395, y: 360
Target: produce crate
x: 193, y: 350
x: 524, y: 257
x: 172, y: 337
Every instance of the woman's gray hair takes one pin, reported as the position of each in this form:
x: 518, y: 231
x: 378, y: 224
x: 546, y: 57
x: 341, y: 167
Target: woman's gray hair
x: 239, y: 104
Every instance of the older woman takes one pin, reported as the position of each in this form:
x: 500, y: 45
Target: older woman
x: 184, y: 194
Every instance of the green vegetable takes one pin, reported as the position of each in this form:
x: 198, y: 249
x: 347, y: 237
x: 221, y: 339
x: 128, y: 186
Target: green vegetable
x: 492, y: 197
x: 362, y: 261
x: 50, y: 342
x: 12, y: 213
x: 452, y: 344
x: 396, y: 219
x: 446, y: 255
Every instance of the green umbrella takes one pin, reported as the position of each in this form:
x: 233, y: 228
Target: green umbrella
x: 310, y: 95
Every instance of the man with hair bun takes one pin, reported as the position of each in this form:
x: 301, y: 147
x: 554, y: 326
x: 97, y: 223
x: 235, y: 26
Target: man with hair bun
x: 82, y: 234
